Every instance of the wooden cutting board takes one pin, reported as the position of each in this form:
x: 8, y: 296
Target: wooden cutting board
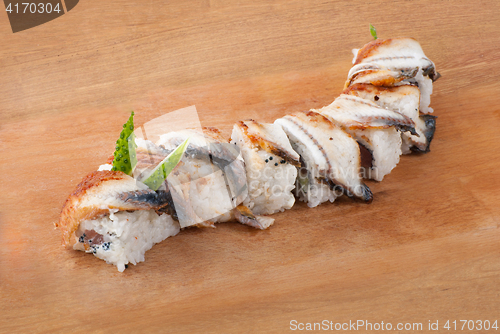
x: 426, y: 249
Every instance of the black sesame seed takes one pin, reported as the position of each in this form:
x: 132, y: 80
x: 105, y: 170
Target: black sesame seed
x: 282, y: 161
x: 267, y: 161
x: 126, y: 266
x: 270, y: 158
x: 276, y: 164
x: 82, y: 238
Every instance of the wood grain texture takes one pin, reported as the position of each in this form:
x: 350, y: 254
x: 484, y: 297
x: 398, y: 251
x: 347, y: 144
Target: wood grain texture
x: 427, y: 248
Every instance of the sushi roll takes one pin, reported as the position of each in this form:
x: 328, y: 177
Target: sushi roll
x: 120, y: 211
x: 270, y: 164
x: 394, y: 62
x: 405, y: 100
x: 375, y: 129
x: 330, y: 159
x: 115, y: 217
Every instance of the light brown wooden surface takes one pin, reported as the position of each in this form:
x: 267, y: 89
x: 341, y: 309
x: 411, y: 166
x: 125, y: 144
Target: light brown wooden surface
x: 427, y: 248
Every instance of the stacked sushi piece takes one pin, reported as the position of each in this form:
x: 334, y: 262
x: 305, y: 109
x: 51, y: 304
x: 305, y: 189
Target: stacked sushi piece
x: 314, y: 156
x: 270, y: 164
x: 331, y: 159
x: 395, y: 74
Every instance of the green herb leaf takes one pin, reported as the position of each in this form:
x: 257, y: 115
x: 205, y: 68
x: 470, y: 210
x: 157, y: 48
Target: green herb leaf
x: 373, y: 31
x: 125, y: 157
x: 160, y: 173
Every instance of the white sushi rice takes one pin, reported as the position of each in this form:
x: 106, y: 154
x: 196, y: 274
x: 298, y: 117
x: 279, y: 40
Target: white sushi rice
x: 314, y: 193
x: 105, y: 167
x: 425, y: 86
x: 269, y: 185
x: 385, y: 145
x: 270, y: 188
x: 126, y: 235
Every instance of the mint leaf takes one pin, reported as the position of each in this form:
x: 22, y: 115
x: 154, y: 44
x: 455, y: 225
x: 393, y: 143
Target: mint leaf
x: 124, y: 156
x: 373, y: 31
